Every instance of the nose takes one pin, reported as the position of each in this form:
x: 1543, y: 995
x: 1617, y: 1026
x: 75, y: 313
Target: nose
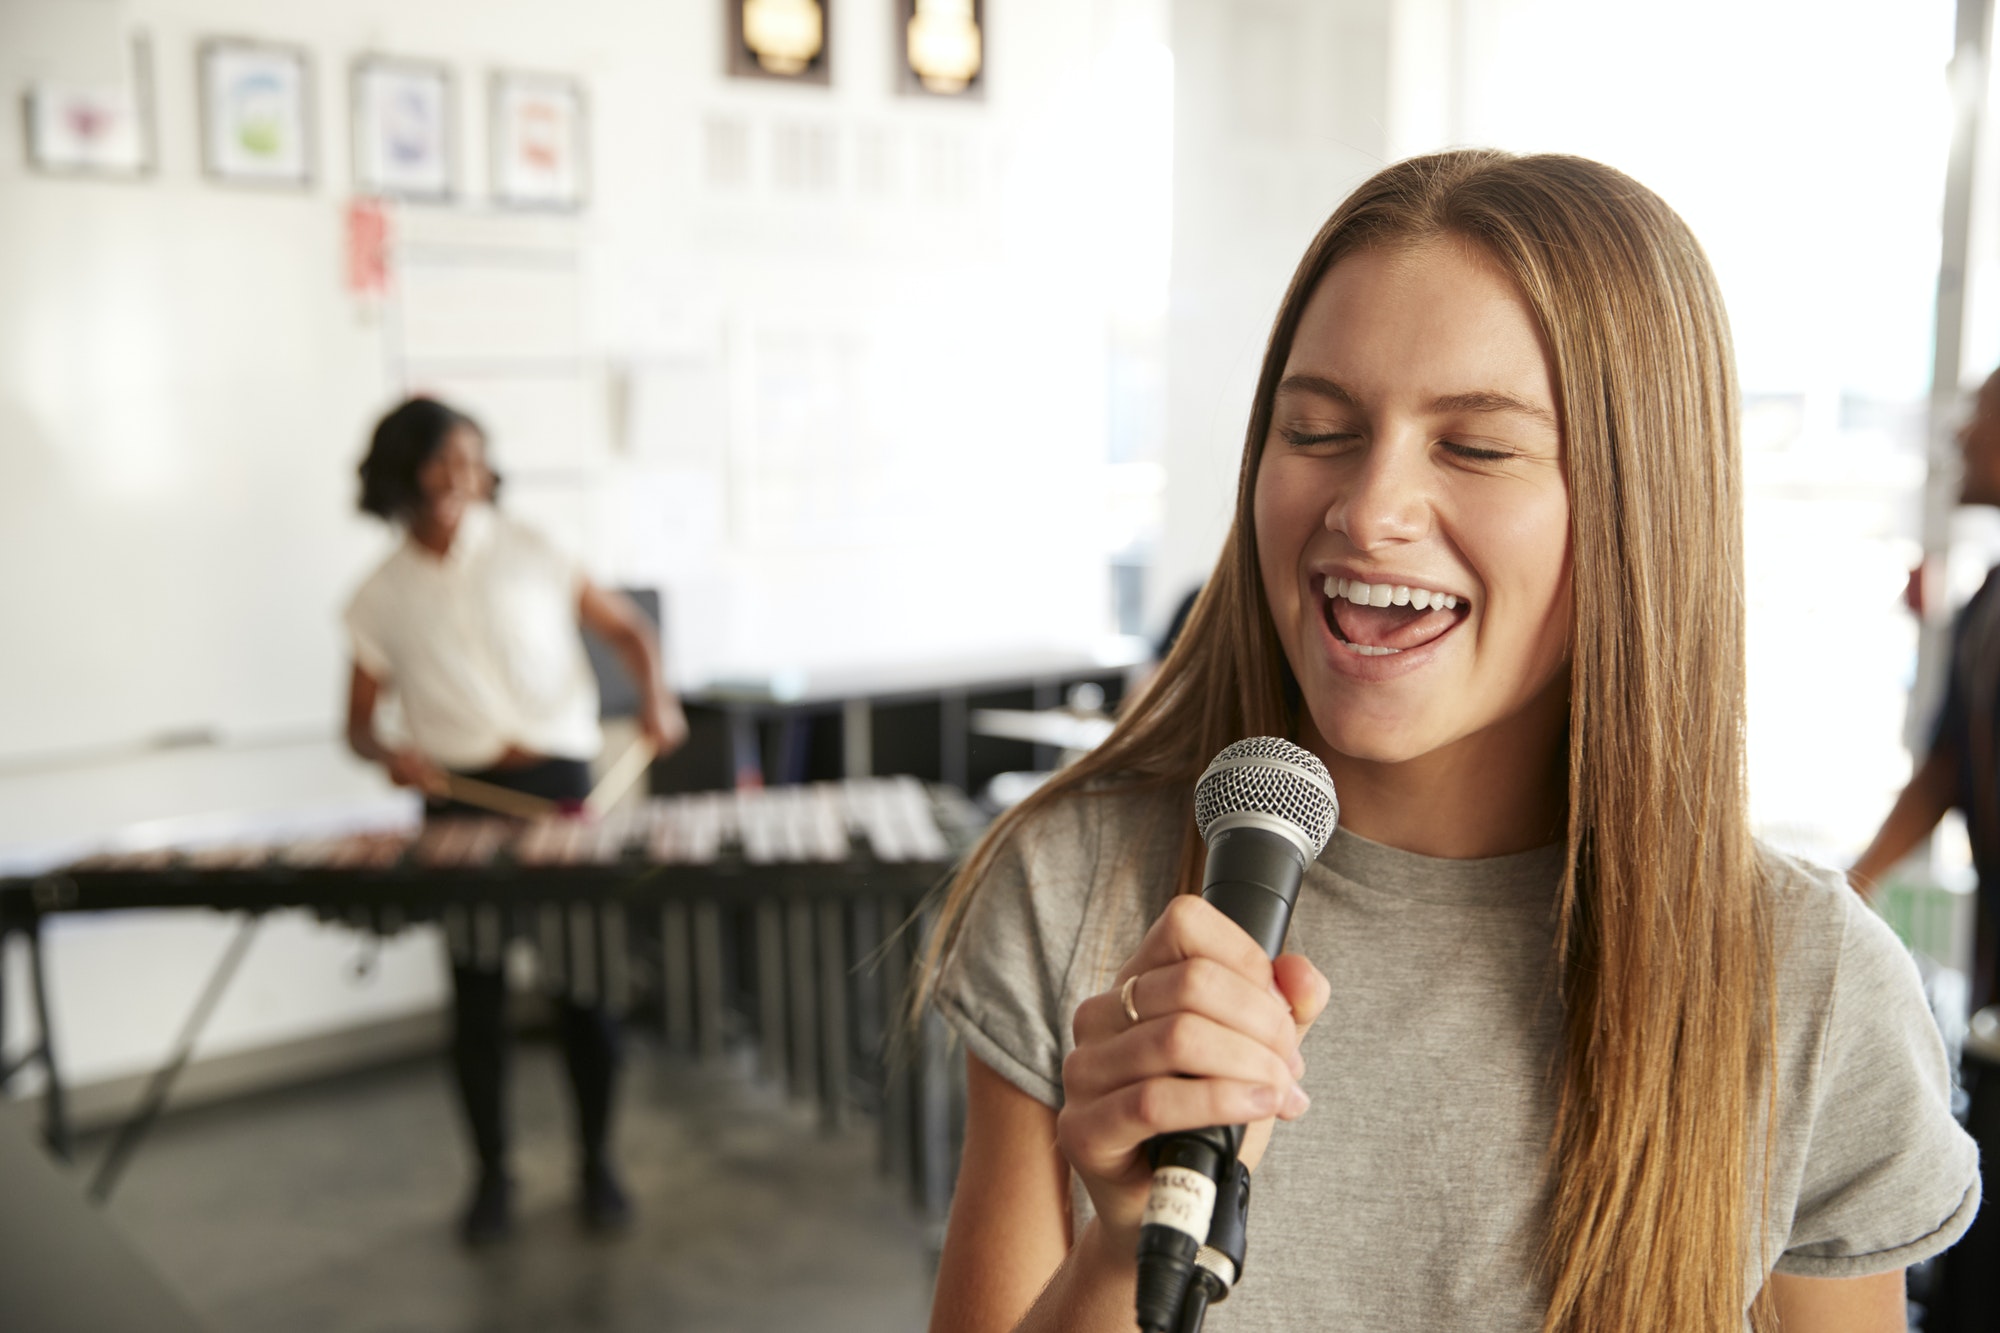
x: 1387, y: 499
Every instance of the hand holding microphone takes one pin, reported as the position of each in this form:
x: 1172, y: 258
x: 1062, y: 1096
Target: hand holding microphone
x: 1201, y: 1029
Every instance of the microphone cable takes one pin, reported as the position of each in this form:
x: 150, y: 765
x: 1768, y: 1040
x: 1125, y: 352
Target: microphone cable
x: 1219, y: 1264
x: 1188, y: 1173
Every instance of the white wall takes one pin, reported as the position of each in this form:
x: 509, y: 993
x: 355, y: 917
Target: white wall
x: 1280, y: 108
x: 836, y: 380
x: 795, y: 386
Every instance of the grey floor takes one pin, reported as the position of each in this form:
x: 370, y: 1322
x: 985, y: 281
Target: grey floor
x: 328, y: 1210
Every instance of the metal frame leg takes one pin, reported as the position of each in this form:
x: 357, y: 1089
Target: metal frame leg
x: 676, y: 978
x: 55, y: 1125
x: 869, y: 1027
x: 898, y: 1121
x: 799, y: 983
x: 833, y: 1040
x: 708, y: 963
x: 771, y: 1016
x: 162, y: 1084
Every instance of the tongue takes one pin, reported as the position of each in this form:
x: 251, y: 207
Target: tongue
x: 1389, y: 626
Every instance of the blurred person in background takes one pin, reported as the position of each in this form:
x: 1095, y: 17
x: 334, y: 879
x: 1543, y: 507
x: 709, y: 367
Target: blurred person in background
x: 1962, y: 769
x: 472, y: 622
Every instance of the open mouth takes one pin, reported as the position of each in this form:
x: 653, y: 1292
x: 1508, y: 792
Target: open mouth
x: 1379, y: 619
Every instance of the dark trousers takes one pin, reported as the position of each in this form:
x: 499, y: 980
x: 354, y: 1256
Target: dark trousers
x: 1967, y: 1296
x: 479, y: 1059
x: 588, y: 1032
x: 1967, y: 1287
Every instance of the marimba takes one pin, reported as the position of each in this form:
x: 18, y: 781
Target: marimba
x: 817, y: 881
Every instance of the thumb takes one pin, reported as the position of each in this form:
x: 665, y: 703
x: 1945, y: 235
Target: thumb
x: 1304, y: 987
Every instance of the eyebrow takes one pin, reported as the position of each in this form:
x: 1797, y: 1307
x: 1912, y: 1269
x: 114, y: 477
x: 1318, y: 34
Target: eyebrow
x: 1477, y: 400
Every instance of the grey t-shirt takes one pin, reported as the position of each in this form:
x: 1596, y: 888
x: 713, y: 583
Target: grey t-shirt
x: 1410, y: 1195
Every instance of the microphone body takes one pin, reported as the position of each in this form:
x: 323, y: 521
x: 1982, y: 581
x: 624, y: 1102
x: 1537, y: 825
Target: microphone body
x: 1253, y: 877
x: 1266, y: 808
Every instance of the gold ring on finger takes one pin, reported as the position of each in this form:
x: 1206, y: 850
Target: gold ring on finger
x: 1125, y: 998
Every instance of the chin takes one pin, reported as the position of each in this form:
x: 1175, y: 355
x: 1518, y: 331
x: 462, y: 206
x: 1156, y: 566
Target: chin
x: 1375, y: 740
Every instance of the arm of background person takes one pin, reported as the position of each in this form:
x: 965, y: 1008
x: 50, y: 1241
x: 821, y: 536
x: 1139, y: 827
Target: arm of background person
x: 1008, y: 1262
x: 407, y: 767
x: 1931, y: 791
x: 613, y: 618
x: 1872, y: 1304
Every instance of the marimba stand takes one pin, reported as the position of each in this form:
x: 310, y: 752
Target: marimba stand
x: 818, y: 895
x: 55, y: 1115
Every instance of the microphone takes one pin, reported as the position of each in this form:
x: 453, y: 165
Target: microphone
x: 1266, y: 808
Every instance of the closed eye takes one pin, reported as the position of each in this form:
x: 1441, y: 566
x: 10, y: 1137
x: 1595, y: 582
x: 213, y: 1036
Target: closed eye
x: 1302, y: 438
x: 1475, y: 453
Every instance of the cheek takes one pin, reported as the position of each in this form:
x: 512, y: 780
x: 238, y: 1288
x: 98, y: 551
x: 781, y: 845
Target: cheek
x: 1529, y: 541
x: 1541, y: 544
x: 1283, y: 528
x: 1524, y: 559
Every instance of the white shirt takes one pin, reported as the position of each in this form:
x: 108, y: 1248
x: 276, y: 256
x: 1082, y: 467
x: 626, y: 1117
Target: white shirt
x: 481, y: 645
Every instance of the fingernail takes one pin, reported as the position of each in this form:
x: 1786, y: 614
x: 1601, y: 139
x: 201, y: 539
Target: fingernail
x: 1296, y: 1101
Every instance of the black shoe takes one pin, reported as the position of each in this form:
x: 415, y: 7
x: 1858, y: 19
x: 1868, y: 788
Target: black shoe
x: 489, y: 1218
x: 601, y: 1200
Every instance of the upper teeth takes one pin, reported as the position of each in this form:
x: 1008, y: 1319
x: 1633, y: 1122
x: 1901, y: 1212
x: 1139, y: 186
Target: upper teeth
x: 1389, y: 594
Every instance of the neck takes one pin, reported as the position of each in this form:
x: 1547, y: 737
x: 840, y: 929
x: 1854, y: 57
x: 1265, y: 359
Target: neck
x: 1493, y: 794
x: 433, y: 531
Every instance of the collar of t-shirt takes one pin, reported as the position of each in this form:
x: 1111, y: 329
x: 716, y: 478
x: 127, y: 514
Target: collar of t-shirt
x: 1529, y: 877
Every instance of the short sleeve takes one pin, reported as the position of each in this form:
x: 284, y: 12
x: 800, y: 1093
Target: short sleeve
x: 365, y: 641
x: 1069, y: 894
x: 1890, y: 1178
x: 997, y: 990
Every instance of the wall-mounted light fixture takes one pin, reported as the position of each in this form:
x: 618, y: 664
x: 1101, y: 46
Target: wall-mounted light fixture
x: 944, y: 46
x: 779, y: 39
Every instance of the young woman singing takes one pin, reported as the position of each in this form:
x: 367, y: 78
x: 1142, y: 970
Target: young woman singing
x: 1559, y: 1046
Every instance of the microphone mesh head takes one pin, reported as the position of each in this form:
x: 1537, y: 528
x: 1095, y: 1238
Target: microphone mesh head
x: 1268, y: 776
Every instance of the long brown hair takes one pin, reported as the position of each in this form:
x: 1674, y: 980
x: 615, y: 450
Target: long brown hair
x: 1663, y: 938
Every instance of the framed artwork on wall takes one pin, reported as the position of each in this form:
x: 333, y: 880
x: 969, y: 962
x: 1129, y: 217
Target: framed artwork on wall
x: 540, y: 129
x: 942, y: 47
x: 102, y: 130
x: 256, y: 113
x: 779, y: 39
x: 403, y: 129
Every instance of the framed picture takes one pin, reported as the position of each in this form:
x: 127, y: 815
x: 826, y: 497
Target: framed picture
x: 779, y: 39
x: 403, y: 129
x: 96, y: 130
x: 539, y: 132
x: 256, y: 113
x: 942, y: 47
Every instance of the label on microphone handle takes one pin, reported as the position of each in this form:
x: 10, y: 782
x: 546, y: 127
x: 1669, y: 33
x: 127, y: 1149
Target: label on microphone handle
x: 1183, y: 1199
